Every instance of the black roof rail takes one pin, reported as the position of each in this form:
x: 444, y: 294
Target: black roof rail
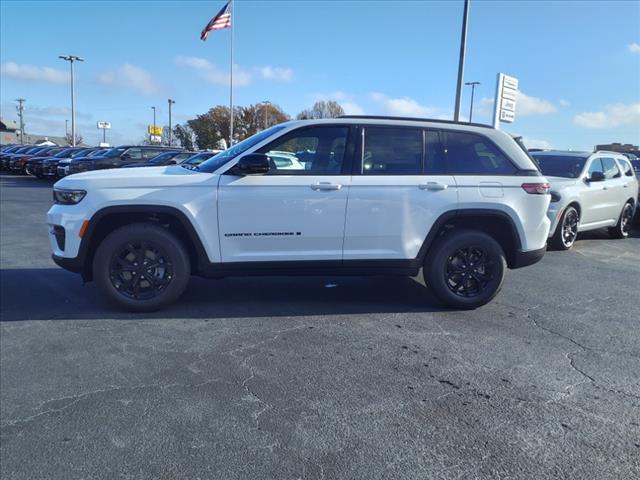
x: 415, y: 119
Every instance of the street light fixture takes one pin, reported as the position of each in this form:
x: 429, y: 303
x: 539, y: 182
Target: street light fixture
x: 71, y: 59
x: 171, y: 102
x: 473, y: 87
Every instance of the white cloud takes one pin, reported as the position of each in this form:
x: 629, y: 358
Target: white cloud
x: 564, y: 103
x: 213, y: 74
x: 634, y: 47
x: 615, y: 115
x: 131, y: 77
x: 536, y: 143
x: 351, y: 108
x: 525, y: 105
x: 276, y: 73
x: 30, y: 72
x: 402, y: 106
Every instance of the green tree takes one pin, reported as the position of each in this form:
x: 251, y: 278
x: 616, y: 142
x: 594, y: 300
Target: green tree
x: 322, y: 109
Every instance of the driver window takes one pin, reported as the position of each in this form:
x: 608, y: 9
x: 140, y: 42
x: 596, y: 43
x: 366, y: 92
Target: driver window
x: 308, y: 151
x: 596, y: 166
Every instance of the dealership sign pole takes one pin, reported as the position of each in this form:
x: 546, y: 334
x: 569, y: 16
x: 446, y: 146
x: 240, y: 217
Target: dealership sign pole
x: 504, y: 107
x: 104, y: 126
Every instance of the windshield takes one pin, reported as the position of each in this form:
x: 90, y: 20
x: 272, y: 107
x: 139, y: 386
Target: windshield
x: 64, y: 153
x: 221, y: 158
x: 163, y: 157
x: 567, y: 166
x: 112, y: 152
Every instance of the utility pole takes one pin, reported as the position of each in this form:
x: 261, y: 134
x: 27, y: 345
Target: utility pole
x: 463, y: 47
x: 71, y: 59
x: 266, y: 104
x: 20, y: 109
x: 153, y: 129
x: 473, y: 86
x: 171, y: 102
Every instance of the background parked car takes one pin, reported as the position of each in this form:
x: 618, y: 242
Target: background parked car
x: 7, y: 156
x: 197, y: 159
x: 18, y: 162
x: 117, y: 157
x: 165, y: 158
x: 588, y: 191
x: 62, y: 165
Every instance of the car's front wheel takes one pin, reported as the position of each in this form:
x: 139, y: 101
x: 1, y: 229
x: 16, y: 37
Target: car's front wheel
x: 465, y: 269
x: 567, y: 230
x: 141, y: 267
x: 623, y: 227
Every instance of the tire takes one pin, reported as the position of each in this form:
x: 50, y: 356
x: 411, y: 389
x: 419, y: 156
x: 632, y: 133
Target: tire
x: 625, y: 220
x: 445, y: 267
x: 567, y: 230
x: 121, y: 278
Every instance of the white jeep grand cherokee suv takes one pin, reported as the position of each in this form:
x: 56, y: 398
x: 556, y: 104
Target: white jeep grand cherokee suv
x: 365, y: 196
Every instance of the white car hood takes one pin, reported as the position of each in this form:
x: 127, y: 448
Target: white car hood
x: 558, y: 183
x: 149, y: 177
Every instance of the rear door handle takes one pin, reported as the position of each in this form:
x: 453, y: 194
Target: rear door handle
x: 433, y: 186
x: 326, y: 186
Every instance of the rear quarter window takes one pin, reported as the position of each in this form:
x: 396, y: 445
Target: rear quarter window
x: 472, y: 154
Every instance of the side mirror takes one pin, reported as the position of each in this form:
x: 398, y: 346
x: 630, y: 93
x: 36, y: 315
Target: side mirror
x: 596, y: 177
x: 252, y: 164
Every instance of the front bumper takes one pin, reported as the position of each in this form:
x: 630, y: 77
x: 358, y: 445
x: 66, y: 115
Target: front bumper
x: 72, y: 264
x: 526, y: 258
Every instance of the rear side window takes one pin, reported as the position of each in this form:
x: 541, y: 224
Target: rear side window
x: 471, y: 154
x: 611, y: 169
x: 626, y: 167
x: 392, y: 151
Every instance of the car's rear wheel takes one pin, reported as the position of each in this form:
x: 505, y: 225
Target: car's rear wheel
x: 141, y: 267
x: 465, y: 269
x: 623, y: 227
x: 566, y: 230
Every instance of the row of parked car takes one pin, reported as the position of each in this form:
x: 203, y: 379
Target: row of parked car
x: 55, y: 162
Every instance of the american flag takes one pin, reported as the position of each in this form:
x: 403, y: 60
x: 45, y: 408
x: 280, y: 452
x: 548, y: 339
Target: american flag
x: 220, y: 21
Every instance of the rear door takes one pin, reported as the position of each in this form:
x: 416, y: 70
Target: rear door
x: 594, y: 198
x: 295, y: 212
x: 399, y: 188
x: 615, y: 185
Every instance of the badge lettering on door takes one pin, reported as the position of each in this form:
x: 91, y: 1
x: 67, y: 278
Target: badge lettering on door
x: 264, y: 234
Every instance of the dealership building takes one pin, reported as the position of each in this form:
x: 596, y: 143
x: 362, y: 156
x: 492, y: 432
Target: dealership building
x: 10, y: 133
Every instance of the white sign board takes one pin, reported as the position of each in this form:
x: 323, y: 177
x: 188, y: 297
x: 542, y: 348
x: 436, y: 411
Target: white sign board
x: 505, y: 102
x: 155, y: 138
x: 104, y: 125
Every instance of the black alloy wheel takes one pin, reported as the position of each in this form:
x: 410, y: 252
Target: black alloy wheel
x: 623, y: 227
x: 469, y: 271
x: 140, y: 270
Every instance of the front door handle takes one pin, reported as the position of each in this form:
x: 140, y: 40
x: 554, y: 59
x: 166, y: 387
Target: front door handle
x: 433, y: 186
x: 326, y: 186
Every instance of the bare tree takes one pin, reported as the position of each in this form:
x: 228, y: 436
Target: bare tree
x: 322, y: 109
x: 69, y: 139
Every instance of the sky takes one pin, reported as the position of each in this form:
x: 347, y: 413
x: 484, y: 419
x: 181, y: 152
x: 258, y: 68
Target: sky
x: 578, y: 63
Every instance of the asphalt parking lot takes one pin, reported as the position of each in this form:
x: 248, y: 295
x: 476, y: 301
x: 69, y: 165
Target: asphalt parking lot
x: 290, y: 378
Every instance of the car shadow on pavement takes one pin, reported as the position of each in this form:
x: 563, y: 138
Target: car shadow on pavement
x: 55, y: 294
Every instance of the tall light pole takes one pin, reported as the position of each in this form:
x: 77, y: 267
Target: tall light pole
x: 463, y: 47
x: 266, y: 112
x: 153, y: 129
x: 71, y: 59
x: 20, y: 109
x: 473, y: 87
x: 171, y: 102
x: 66, y: 128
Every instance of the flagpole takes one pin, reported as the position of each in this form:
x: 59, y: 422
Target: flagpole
x: 233, y: 20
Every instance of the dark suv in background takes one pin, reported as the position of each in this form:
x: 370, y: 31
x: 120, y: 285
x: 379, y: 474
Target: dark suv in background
x: 117, y: 157
x: 60, y: 168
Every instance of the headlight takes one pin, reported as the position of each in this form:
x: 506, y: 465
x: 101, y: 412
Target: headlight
x: 67, y: 197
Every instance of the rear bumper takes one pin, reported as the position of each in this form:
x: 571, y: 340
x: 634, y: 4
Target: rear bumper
x: 524, y: 259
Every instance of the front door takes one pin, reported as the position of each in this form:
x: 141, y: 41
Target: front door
x: 297, y: 210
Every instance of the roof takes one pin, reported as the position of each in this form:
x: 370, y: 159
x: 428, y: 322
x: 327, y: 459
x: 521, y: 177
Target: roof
x: 8, y: 125
x: 564, y: 153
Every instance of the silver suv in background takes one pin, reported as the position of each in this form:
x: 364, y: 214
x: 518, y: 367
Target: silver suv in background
x: 588, y: 191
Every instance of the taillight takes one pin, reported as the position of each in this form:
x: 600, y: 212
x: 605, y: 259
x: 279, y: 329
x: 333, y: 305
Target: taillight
x: 536, y: 188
